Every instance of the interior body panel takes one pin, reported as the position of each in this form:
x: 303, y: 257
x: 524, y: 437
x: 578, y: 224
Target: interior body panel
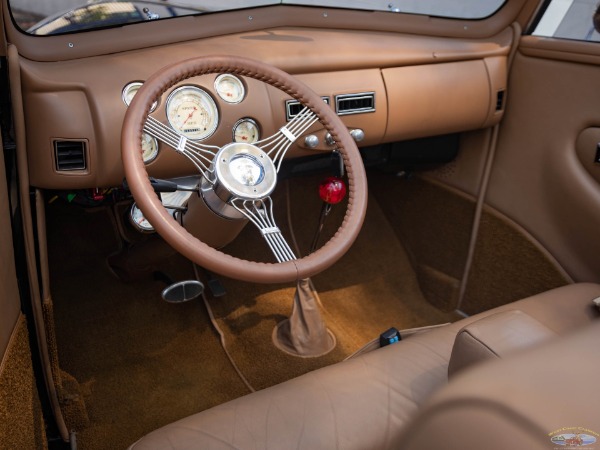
x: 54, y: 90
x: 173, y: 181
x: 22, y: 422
x: 546, y: 174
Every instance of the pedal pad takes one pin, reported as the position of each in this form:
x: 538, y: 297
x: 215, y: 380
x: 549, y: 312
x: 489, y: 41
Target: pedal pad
x: 215, y: 286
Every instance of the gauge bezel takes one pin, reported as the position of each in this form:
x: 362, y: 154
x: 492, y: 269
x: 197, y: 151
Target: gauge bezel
x: 201, y: 92
x: 237, y: 80
x: 242, y: 120
x: 127, y: 89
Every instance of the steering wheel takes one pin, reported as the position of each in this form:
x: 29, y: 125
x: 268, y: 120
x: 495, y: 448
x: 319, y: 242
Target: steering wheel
x: 248, y: 192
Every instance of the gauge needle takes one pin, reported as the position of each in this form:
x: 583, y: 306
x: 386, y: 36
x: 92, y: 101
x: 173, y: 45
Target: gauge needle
x: 190, y: 115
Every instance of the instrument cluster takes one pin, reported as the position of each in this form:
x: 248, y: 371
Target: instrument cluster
x: 193, y: 112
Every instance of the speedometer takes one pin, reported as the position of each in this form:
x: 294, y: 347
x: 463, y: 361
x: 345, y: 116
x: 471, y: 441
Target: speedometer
x: 192, y: 112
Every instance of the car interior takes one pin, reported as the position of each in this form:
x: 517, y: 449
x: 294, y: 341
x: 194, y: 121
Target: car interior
x: 299, y: 224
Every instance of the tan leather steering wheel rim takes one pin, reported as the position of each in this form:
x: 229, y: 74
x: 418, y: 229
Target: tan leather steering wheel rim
x: 192, y: 248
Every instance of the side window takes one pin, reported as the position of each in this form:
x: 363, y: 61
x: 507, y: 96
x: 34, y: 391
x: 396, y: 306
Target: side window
x: 570, y: 19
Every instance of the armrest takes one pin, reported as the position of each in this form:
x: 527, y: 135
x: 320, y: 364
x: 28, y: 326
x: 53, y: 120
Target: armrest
x: 495, y: 336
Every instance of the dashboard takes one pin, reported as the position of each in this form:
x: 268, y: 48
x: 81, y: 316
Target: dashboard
x: 73, y: 110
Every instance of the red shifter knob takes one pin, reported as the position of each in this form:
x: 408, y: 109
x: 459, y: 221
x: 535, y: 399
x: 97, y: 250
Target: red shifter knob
x: 332, y: 190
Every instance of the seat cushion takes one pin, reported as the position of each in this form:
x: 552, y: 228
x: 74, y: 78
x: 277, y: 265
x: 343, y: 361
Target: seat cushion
x: 360, y: 403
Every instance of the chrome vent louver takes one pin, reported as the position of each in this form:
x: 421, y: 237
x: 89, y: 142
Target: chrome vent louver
x: 70, y: 155
x: 293, y: 107
x: 363, y: 102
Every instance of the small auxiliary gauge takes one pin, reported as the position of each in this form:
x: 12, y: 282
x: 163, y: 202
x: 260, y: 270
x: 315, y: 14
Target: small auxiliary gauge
x: 230, y: 88
x: 149, y: 144
x: 246, y: 130
x: 139, y: 221
x: 129, y: 92
x: 149, y: 148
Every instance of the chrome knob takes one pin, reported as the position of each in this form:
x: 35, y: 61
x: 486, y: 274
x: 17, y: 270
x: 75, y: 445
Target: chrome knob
x: 329, y: 139
x: 311, y: 141
x: 357, y: 134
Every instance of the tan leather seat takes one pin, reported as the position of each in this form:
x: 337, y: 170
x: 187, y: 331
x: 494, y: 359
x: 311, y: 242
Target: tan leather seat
x: 363, y: 403
x: 522, y: 402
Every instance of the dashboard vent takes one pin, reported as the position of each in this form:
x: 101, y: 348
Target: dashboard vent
x: 355, y: 103
x: 70, y: 155
x: 293, y: 107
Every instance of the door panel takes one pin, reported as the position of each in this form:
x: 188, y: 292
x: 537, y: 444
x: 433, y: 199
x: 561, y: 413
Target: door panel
x: 538, y: 178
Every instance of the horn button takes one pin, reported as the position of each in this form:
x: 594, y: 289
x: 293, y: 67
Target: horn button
x: 245, y: 171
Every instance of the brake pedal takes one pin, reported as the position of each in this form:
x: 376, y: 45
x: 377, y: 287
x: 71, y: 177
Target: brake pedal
x: 215, y: 286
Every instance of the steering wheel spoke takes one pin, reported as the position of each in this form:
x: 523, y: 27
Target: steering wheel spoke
x: 201, y: 155
x: 260, y: 213
x: 277, y: 145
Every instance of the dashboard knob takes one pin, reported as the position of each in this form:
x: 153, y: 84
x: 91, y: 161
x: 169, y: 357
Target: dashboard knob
x: 357, y: 134
x: 329, y: 139
x: 311, y: 141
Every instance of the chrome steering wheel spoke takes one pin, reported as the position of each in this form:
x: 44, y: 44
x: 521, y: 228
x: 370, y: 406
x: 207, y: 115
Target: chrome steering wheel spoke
x: 237, y: 175
x: 260, y: 213
x: 277, y: 145
x: 201, y: 155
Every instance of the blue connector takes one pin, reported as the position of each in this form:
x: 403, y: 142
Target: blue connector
x: 390, y: 336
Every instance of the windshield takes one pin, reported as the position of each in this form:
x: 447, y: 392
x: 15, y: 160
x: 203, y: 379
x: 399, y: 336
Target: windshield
x: 67, y: 16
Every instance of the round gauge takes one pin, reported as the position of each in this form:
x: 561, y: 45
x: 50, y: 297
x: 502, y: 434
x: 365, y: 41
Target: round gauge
x: 149, y: 148
x: 139, y: 221
x: 230, y: 88
x: 246, y: 130
x: 192, y: 112
x: 129, y: 92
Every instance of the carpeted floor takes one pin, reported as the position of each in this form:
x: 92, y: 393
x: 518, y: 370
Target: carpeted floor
x: 371, y: 289
x: 142, y: 363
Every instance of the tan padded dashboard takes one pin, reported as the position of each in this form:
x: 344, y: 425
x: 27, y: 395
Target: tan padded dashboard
x: 422, y: 86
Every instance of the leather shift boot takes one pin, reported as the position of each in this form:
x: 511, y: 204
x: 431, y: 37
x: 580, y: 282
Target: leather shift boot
x: 304, y: 333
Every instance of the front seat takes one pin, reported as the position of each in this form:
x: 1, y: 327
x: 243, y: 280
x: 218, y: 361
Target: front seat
x: 367, y: 402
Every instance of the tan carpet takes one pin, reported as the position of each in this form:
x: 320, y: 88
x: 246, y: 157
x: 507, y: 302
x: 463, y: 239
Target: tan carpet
x: 142, y: 363
x: 370, y: 290
x: 21, y: 422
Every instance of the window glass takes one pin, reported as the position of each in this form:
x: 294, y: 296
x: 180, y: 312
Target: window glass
x: 66, y: 16
x: 458, y: 9
x: 570, y: 19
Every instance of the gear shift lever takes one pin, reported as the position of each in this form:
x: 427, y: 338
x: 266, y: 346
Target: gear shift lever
x: 332, y: 190
x: 304, y: 334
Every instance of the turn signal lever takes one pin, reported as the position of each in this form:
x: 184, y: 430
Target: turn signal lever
x: 164, y: 186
